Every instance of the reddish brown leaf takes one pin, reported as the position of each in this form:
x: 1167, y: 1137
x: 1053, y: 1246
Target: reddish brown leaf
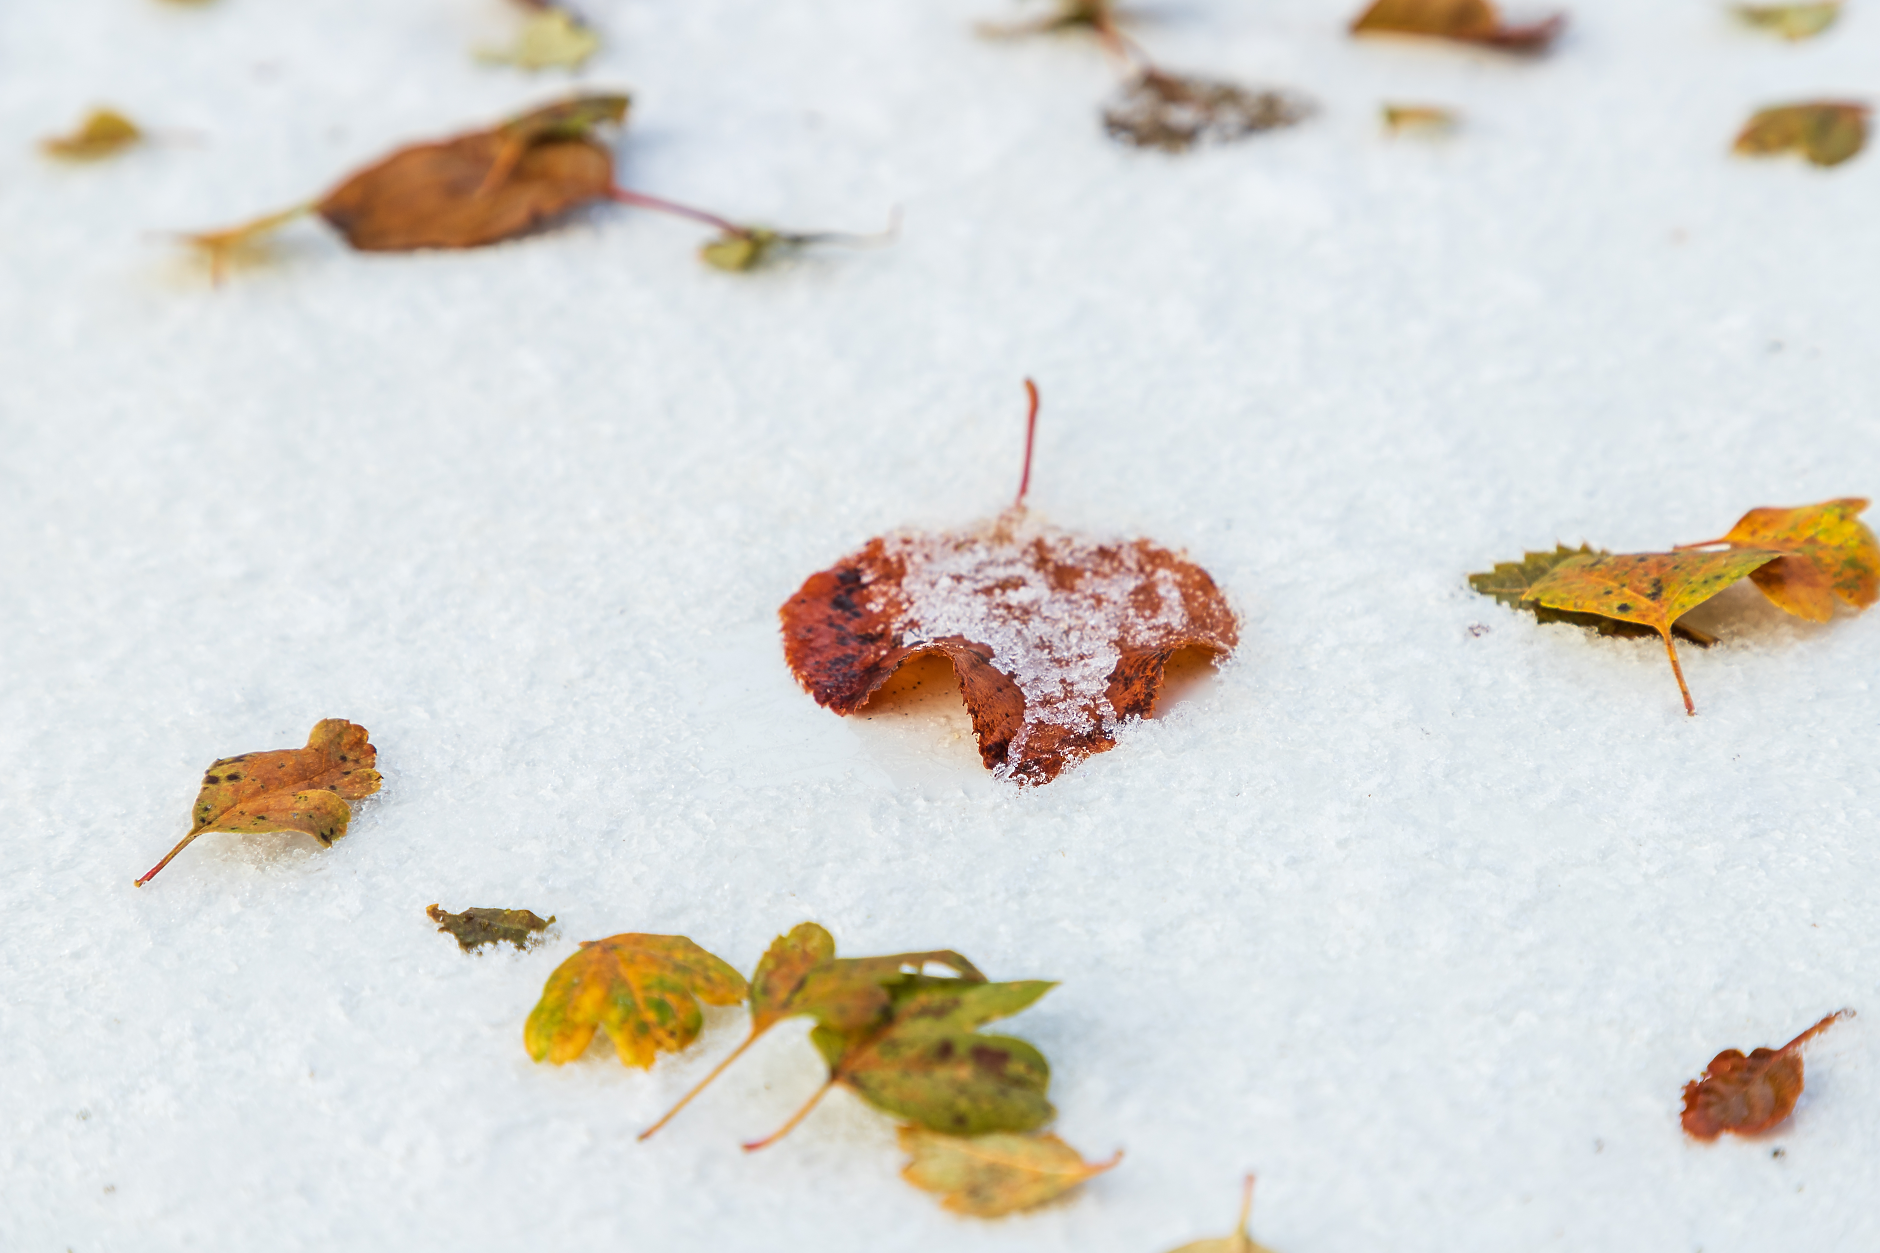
x: 1748, y: 1095
x: 1056, y: 639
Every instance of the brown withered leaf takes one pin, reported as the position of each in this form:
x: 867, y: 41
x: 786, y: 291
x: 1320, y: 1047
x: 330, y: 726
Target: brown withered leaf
x: 477, y: 927
x: 1830, y: 554
x: 1827, y: 132
x: 475, y: 189
x: 1748, y: 1095
x: 1654, y: 589
x: 801, y: 975
x: 289, y: 789
x: 1239, y: 1241
x: 993, y: 1175
x: 1173, y: 112
x: 1465, y: 21
x: 1056, y: 639
x: 1097, y: 15
x: 1509, y: 582
x: 480, y: 188
x: 643, y: 990
x: 103, y: 133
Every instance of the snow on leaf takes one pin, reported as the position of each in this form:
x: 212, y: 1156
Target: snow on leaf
x: 289, y: 789
x: 992, y: 1175
x: 550, y: 38
x: 1465, y: 21
x: 643, y: 990
x: 1509, y: 581
x: 103, y: 133
x: 1791, y: 21
x: 1057, y: 640
x: 1827, y: 132
x: 1653, y: 589
x: 1173, y: 112
x: 1239, y: 1241
x: 1747, y: 1095
x: 477, y: 927
x: 801, y: 975
x: 1829, y: 551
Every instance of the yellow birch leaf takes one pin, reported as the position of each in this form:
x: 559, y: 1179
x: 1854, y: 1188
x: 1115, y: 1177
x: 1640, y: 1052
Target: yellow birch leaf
x: 552, y: 38
x: 1829, y: 552
x: 643, y: 990
x: 1791, y: 21
x: 1428, y: 118
x: 289, y: 789
x: 989, y: 1176
x: 103, y: 133
x: 1653, y: 589
x: 1827, y: 132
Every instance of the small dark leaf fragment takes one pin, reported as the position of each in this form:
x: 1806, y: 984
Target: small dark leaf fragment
x: 1173, y: 112
x: 476, y: 927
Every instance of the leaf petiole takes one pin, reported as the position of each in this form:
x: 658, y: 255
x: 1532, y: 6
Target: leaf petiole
x: 702, y: 1084
x: 754, y: 1145
x: 1671, y: 650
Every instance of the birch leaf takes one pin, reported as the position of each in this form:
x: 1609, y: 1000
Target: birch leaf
x: 1509, y: 581
x: 550, y: 38
x: 1826, y: 132
x: 103, y: 133
x: 1791, y: 21
x: 993, y: 1175
x: 289, y: 789
x: 1829, y: 553
x: 1652, y: 589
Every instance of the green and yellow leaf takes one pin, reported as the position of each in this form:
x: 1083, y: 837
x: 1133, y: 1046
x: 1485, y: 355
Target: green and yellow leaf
x: 644, y: 991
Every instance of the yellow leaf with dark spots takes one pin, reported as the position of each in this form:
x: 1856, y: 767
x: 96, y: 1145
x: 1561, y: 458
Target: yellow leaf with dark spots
x: 289, y: 789
x: 989, y: 1176
x: 1653, y: 589
x: 643, y: 990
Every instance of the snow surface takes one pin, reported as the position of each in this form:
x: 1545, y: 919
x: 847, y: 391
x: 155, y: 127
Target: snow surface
x: 1420, y: 910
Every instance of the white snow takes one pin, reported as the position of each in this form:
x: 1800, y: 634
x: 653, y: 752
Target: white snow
x: 1426, y: 925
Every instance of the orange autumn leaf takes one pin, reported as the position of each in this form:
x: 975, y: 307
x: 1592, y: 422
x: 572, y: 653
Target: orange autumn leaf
x: 1653, y: 589
x: 1748, y: 1095
x: 1056, y: 639
x: 289, y: 789
x: 1829, y: 552
x: 1465, y: 21
x: 643, y: 990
